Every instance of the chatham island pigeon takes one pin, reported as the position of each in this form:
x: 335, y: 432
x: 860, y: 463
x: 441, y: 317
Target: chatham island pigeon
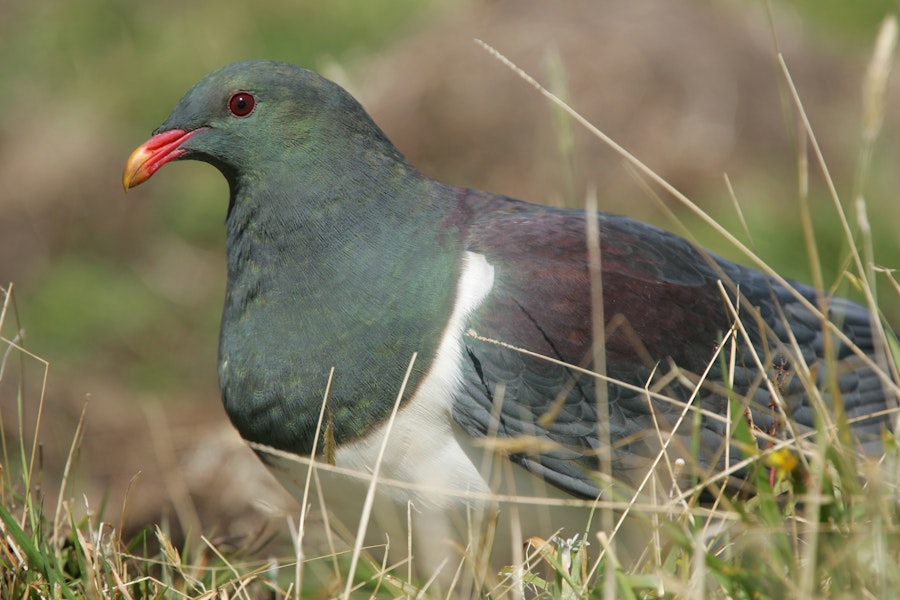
x: 346, y: 265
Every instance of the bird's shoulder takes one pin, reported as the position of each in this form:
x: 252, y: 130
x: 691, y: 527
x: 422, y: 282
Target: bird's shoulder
x: 521, y: 233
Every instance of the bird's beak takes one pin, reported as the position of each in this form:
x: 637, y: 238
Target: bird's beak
x: 153, y: 154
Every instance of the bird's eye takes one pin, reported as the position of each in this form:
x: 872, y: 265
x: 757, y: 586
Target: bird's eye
x: 241, y: 104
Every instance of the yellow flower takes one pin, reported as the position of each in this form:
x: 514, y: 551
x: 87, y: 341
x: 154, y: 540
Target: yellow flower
x: 783, y: 461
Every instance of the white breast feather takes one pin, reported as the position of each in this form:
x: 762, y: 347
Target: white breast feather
x: 422, y: 448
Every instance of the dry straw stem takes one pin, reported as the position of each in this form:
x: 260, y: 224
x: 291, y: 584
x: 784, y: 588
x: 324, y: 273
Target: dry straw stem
x: 244, y: 580
x: 304, y: 502
x: 873, y: 115
x: 775, y: 443
x: 370, y: 494
x: 877, y: 75
x: 874, y: 95
x: 887, y: 381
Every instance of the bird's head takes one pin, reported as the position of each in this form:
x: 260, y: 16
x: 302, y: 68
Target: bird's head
x: 250, y: 116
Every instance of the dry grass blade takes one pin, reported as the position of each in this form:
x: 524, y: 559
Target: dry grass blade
x: 370, y: 494
x: 304, y: 501
x: 709, y: 220
x: 876, y: 81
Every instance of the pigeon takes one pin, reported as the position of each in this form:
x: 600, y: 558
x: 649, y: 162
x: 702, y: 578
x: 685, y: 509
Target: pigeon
x: 441, y: 347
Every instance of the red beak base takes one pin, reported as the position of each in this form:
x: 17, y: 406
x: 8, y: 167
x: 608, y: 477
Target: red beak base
x: 153, y: 154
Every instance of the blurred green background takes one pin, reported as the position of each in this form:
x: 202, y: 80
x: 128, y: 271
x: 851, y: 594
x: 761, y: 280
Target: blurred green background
x: 122, y: 294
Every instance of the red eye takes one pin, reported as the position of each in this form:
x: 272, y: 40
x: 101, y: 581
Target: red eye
x: 241, y: 104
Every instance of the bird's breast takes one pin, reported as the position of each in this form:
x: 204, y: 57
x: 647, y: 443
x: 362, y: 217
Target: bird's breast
x: 422, y: 446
